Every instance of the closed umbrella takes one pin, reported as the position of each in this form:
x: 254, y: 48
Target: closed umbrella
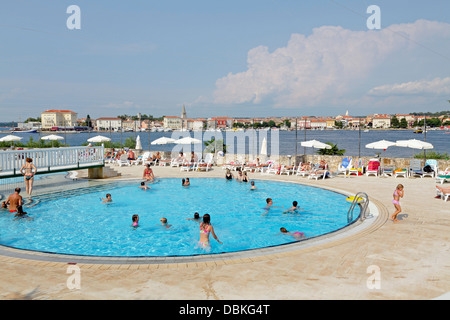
x: 263, y: 151
x: 138, y: 143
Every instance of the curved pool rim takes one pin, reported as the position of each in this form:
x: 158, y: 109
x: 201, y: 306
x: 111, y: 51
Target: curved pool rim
x: 352, y: 230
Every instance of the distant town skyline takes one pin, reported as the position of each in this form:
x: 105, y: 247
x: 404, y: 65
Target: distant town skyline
x: 253, y: 58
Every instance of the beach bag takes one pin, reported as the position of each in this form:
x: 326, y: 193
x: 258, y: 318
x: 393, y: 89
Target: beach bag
x: 427, y: 168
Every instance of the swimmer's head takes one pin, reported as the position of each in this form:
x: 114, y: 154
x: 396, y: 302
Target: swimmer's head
x: 108, y: 196
x: 163, y: 220
x: 142, y: 183
x: 252, y: 183
x: 135, y: 218
x: 196, y: 215
x: 269, y: 200
x: 17, y: 190
x: 283, y: 230
x: 206, y: 218
x: 295, y: 203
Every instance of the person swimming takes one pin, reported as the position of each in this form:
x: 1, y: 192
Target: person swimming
x: 143, y: 186
x: 164, y: 223
x: 294, y: 209
x: 253, y: 187
x: 196, y: 217
x: 269, y: 205
x: 297, y: 235
x: 108, y: 198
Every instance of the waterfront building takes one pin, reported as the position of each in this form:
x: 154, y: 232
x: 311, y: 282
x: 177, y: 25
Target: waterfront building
x: 58, y: 118
x: 108, y: 124
x: 220, y: 122
x: 318, y: 124
x: 303, y: 122
x: 382, y: 121
x: 408, y: 117
x: 172, y: 122
x: 195, y: 124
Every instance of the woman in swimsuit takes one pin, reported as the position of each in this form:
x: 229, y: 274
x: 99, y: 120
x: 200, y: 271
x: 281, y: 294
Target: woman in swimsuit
x: 205, y: 229
x: 27, y: 171
x: 297, y: 234
x: 148, y: 173
x: 398, y: 193
x: 229, y: 175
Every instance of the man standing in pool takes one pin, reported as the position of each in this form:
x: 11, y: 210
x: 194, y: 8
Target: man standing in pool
x: 14, y: 200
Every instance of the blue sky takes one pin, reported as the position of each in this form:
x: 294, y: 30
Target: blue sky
x: 243, y: 58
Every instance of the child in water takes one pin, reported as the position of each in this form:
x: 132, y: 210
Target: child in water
x: 269, y: 205
x: 108, y: 198
x: 143, y: 186
x: 196, y: 217
x: 164, y: 223
x: 135, y: 219
x: 297, y: 235
x: 293, y: 209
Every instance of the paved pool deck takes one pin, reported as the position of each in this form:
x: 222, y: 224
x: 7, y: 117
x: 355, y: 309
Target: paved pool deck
x: 410, y: 258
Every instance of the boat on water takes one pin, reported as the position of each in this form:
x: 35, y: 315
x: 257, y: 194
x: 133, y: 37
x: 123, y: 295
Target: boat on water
x: 418, y: 131
x: 18, y: 130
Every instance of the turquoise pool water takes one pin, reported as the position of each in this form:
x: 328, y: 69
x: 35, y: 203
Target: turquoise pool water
x: 79, y: 223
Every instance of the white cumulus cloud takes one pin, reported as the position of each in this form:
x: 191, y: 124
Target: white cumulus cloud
x: 322, y: 66
x: 436, y: 86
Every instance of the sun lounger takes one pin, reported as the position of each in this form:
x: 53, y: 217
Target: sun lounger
x: 373, y: 168
x: 123, y: 161
x: 415, y: 168
x: 303, y: 169
x: 400, y: 173
x: 388, y: 167
x: 444, y: 196
x: 430, y: 164
x: 356, y: 169
x: 344, y: 166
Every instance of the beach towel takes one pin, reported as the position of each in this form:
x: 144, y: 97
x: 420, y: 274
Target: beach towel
x: 373, y: 165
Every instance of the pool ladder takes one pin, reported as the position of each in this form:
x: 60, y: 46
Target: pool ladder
x: 357, y: 201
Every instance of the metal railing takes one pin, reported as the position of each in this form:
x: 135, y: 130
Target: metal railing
x: 361, y: 199
x: 50, y: 160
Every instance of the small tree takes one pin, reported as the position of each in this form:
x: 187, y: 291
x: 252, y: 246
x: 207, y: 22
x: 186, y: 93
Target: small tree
x: 334, y: 151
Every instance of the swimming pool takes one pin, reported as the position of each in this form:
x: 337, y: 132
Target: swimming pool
x: 78, y: 223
